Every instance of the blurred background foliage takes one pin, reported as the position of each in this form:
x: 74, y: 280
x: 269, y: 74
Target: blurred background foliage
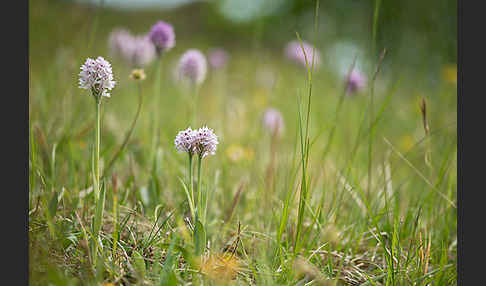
x: 421, y: 34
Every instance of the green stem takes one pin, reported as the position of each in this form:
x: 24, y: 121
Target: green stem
x: 370, y: 143
x: 129, y: 133
x: 192, y: 188
x: 97, y: 148
x: 97, y: 177
x: 194, y: 106
x: 199, y: 199
x: 115, y: 224
x: 157, y: 88
x: 373, y: 50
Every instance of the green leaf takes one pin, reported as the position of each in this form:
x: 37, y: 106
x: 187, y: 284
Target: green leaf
x: 100, y: 206
x: 199, y: 238
x: 191, y: 203
x: 168, y: 276
x: 138, y: 263
x: 169, y: 279
x: 53, y: 205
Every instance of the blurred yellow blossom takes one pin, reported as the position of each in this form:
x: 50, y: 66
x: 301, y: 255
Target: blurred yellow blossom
x: 406, y: 143
x: 237, y: 152
x: 137, y: 74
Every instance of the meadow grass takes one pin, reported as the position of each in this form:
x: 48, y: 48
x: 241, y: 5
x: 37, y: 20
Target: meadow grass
x: 352, y: 198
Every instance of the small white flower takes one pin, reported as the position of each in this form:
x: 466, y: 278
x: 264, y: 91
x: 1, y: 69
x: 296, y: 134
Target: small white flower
x: 97, y: 76
x: 184, y: 140
x: 206, y: 142
x: 202, y: 142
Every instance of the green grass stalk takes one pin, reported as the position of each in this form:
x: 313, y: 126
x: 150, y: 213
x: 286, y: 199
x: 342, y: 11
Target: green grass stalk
x: 191, y: 186
x: 129, y: 132
x: 305, y: 140
x: 97, y: 148
x: 200, y: 207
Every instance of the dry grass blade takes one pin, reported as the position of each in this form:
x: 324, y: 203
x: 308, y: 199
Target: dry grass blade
x: 423, y: 110
x: 236, y: 199
x: 419, y: 173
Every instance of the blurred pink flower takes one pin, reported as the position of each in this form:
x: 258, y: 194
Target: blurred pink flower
x: 356, y: 82
x: 293, y: 51
x: 192, y: 67
x: 273, y: 121
x: 218, y: 58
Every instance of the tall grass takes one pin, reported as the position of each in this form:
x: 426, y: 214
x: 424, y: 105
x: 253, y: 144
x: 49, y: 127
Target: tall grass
x: 352, y: 199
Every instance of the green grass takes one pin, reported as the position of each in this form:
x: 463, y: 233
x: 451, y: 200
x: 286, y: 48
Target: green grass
x: 322, y: 217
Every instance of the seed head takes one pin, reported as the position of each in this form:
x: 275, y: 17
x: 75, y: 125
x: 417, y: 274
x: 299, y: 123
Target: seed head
x: 423, y: 110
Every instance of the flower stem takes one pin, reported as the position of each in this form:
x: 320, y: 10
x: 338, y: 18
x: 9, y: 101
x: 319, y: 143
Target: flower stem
x: 115, y: 224
x: 195, y: 93
x: 199, y: 198
x: 129, y: 133
x: 98, y: 200
x: 97, y: 149
x: 192, y: 189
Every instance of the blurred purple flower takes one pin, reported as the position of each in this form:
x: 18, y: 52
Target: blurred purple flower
x: 137, y: 51
x: 143, y: 51
x: 192, y: 67
x: 218, y: 57
x: 162, y: 36
x: 356, y: 81
x: 120, y: 43
x: 293, y: 51
x: 97, y: 76
x: 273, y: 121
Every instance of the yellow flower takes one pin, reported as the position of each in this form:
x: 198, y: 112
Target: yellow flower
x: 137, y: 74
x: 449, y: 73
